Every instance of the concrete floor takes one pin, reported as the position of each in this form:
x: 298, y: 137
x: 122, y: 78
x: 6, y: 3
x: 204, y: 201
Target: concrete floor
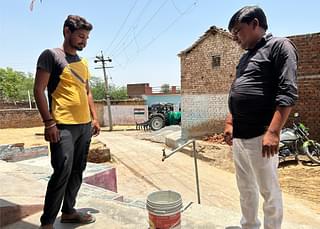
x: 140, y: 171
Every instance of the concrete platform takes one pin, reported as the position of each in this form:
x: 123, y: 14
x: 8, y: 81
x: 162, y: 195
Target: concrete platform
x: 23, y: 186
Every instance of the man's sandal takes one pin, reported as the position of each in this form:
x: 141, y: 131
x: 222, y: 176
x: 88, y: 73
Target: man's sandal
x: 78, y: 217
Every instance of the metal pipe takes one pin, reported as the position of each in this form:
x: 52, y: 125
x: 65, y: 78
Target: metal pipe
x: 196, y: 169
x: 165, y: 156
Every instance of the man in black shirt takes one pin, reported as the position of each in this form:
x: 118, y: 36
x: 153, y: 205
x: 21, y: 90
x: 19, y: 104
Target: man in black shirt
x: 260, y: 101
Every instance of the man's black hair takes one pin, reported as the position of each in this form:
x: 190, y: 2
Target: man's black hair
x: 74, y: 22
x: 246, y: 15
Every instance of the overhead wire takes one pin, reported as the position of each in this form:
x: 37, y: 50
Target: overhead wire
x: 142, y: 29
x: 123, y: 23
x: 132, y: 28
x: 181, y: 14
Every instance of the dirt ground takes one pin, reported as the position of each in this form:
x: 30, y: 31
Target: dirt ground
x: 301, y: 180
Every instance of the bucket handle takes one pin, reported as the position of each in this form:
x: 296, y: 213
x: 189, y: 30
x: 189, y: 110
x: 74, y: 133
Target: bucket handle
x: 186, y: 207
x: 182, y: 210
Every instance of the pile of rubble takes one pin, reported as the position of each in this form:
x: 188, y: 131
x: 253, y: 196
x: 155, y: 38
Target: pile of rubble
x: 98, y: 152
x: 215, y: 138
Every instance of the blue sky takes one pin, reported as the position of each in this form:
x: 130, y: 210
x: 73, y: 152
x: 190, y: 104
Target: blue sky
x: 142, y: 37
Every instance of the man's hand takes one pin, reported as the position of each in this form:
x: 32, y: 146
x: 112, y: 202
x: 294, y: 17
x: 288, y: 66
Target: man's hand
x: 95, y: 127
x: 52, y: 134
x: 228, y: 130
x: 271, y: 138
x: 228, y: 133
x: 270, y: 143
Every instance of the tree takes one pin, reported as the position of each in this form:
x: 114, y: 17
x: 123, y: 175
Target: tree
x: 165, y: 88
x: 98, y: 90
x: 14, y: 85
x: 118, y: 93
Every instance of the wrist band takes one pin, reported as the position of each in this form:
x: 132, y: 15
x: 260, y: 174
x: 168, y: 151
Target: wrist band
x: 47, y: 120
x: 48, y: 127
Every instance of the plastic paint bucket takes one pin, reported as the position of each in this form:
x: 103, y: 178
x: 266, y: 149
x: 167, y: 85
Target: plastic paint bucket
x: 164, y: 209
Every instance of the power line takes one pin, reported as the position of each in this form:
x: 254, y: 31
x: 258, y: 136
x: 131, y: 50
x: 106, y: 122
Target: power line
x: 181, y: 14
x: 123, y: 23
x: 132, y: 28
x: 175, y: 6
x: 143, y: 28
x: 170, y: 25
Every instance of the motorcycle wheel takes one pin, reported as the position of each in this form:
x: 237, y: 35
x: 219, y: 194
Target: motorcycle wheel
x: 313, y: 152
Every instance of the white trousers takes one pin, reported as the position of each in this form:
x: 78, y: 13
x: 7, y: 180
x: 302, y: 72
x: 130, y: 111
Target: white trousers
x: 257, y: 174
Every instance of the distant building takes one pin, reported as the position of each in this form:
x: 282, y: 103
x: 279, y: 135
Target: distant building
x: 138, y: 89
x: 154, y: 95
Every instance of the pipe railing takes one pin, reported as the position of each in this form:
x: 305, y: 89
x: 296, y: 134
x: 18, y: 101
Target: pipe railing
x: 165, y: 156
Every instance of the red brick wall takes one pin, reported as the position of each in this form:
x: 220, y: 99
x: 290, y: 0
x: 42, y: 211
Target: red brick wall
x: 24, y: 118
x: 308, y: 46
x: 19, y: 118
x: 308, y: 104
x: 17, y: 105
x: 204, y: 87
x: 197, y: 74
x: 136, y: 90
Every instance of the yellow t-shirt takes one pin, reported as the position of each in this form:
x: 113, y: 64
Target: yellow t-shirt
x: 67, y: 93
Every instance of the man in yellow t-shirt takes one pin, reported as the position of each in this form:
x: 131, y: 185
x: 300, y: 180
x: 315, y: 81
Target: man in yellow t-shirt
x: 70, y: 120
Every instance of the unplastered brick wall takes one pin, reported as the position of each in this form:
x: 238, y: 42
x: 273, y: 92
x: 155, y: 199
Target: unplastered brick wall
x: 308, y: 46
x: 16, y: 105
x: 204, y: 87
x: 19, y: 118
x: 308, y: 104
x: 123, y: 113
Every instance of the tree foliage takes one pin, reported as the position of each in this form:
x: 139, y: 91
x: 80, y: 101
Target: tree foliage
x: 165, y: 88
x: 118, y: 92
x: 14, y: 85
x: 98, y: 90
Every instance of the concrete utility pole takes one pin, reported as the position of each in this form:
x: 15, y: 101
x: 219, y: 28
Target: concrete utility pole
x: 107, y: 96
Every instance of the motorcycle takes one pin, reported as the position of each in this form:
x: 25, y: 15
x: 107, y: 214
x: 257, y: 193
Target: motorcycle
x: 295, y: 141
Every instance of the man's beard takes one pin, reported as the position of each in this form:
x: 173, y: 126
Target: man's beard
x: 78, y: 47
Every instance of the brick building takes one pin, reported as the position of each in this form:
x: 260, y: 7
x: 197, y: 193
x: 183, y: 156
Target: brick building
x: 138, y: 89
x: 207, y: 71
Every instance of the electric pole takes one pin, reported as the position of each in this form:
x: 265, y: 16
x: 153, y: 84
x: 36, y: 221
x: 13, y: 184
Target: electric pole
x: 107, y: 96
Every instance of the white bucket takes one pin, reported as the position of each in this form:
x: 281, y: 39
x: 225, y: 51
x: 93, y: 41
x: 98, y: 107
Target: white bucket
x: 164, y: 209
